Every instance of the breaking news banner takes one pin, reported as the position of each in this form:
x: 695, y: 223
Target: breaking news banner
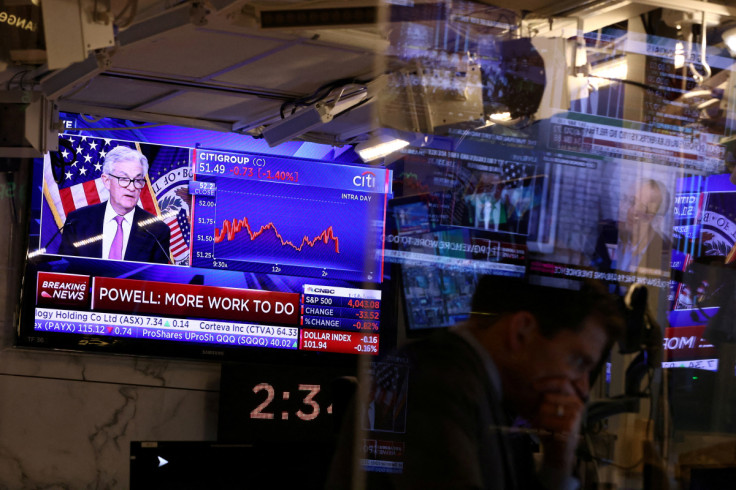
x: 186, y: 300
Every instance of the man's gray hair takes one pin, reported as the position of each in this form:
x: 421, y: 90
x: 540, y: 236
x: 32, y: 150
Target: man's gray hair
x: 121, y: 154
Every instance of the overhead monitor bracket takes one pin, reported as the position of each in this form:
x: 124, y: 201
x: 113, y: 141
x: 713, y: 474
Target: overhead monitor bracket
x: 318, y: 114
x: 296, y: 125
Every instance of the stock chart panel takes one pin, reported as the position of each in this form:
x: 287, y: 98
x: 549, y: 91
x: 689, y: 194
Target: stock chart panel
x: 292, y: 217
x: 280, y: 215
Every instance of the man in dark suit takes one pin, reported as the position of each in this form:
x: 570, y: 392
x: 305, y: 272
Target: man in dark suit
x: 521, y: 364
x: 118, y: 229
x: 483, y: 394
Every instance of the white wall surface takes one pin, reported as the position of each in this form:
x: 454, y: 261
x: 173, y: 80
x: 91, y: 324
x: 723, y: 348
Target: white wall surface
x: 66, y: 420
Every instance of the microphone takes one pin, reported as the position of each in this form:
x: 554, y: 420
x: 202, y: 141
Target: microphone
x: 636, y: 317
x: 42, y: 250
x: 166, y: 254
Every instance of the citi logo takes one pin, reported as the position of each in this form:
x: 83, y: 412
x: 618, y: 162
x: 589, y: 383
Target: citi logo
x: 366, y: 179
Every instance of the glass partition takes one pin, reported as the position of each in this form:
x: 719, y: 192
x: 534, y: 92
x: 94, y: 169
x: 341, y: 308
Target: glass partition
x: 559, y: 148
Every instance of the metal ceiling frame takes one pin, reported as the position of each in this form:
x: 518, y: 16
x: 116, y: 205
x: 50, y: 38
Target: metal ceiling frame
x: 61, y: 85
x: 562, y: 19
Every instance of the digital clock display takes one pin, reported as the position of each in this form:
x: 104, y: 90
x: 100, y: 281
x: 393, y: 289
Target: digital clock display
x: 277, y: 402
x: 308, y: 394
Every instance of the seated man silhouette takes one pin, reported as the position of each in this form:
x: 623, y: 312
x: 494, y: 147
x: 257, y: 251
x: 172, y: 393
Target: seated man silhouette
x: 118, y: 229
x: 480, y: 393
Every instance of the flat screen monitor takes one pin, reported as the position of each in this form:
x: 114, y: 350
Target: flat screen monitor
x: 704, y: 239
x: 227, y: 254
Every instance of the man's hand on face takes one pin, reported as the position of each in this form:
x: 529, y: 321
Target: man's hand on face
x: 558, y: 418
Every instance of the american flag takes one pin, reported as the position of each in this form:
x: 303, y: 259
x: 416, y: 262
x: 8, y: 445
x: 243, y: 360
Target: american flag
x: 390, y: 385
x: 169, y: 175
x: 386, y: 379
x: 514, y: 173
x: 179, y: 226
x: 72, y: 176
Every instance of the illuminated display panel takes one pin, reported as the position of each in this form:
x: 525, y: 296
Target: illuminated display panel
x: 465, y: 211
x: 270, y: 214
x: 266, y: 253
x: 700, y: 313
x: 567, y: 199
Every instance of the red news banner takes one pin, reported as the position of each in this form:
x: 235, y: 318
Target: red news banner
x: 186, y: 300
x: 687, y: 343
x: 193, y: 301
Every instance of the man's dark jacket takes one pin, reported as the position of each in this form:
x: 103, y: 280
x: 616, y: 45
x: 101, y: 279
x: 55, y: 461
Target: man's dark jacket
x: 87, y: 222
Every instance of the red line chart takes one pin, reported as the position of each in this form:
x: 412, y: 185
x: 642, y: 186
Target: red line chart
x: 231, y: 228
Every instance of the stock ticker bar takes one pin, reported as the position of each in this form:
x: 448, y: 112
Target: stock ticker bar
x: 195, y: 301
x: 594, y: 135
x: 705, y: 364
x: 165, y: 328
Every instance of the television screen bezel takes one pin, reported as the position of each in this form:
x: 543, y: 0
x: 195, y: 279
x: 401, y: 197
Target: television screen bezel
x: 27, y: 337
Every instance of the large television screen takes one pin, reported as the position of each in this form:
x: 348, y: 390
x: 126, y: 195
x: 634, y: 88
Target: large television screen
x: 227, y: 254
